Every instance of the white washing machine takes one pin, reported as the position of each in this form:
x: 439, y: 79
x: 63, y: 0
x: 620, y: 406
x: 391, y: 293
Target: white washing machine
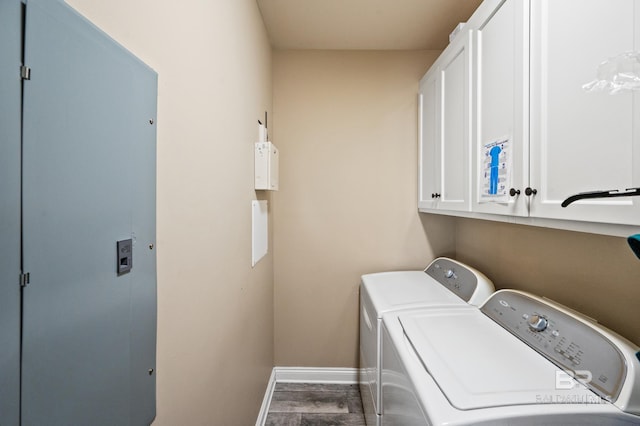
x: 445, y: 282
x: 517, y: 360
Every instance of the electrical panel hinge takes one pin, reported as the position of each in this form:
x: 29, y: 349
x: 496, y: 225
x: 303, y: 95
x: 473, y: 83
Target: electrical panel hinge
x: 24, y: 279
x: 25, y: 72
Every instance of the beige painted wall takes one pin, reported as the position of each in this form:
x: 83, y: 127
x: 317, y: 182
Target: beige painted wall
x: 215, y: 313
x: 345, y: 124
x: 594, y: 274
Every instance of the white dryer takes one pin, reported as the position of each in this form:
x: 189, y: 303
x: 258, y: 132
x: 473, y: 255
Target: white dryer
x: 518, y: 360
x: 445, y: 282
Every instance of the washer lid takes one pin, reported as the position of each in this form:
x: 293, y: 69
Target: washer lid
x: 478, y: 364
x: 390, y: 291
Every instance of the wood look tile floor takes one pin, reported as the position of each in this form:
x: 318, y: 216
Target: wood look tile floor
x: 314, y: 404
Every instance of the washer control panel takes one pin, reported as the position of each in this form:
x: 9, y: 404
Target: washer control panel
x: 580, y: 350
x: 453, y: 275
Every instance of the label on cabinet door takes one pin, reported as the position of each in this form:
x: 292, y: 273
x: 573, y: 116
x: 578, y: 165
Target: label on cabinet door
x: 495, y: 179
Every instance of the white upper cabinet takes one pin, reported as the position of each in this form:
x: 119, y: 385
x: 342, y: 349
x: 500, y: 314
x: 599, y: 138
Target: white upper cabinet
x: 445, y: 130
x: 582, y: 141
x: 501, y: 114
x: 455, y: 124
x: 507, y: 130
x: 428, y: 179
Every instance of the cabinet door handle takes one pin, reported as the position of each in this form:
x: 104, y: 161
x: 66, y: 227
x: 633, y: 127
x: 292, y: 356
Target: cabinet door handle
x: 530, y: 191
x: 513, y: 192
x: 436, y: 195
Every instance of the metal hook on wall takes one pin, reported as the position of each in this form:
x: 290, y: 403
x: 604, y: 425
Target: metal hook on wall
x: 633, y: 240
x: 629, y: 192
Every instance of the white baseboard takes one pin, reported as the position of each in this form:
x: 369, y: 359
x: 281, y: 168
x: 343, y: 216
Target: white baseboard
x: 266, y: 401
x: 316, y: 375
x: 303, y: 375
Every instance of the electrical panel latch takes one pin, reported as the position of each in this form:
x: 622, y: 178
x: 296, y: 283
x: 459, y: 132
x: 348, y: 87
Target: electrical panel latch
x: 125, y: 256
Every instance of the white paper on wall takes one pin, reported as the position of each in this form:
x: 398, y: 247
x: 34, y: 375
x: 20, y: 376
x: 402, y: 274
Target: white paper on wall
x: 259, y: 230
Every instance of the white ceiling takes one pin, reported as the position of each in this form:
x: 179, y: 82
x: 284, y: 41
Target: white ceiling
x: 363, y: 24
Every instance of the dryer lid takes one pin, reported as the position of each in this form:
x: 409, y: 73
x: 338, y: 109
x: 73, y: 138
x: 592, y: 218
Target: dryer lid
x: 445, y: 282
x: 390, y: 291
x: 478, y: 364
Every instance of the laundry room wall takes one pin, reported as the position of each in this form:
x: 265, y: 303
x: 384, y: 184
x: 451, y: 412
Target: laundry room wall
x: 215, y: 312
x: 597, y: 275
x: 345, y: 123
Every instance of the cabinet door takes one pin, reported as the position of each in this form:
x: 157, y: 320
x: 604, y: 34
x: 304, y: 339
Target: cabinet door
x: 88, y: 332
x: 582, y: 141
x: 428, y: 147
x: 455, y: 128
x: 501, y: 99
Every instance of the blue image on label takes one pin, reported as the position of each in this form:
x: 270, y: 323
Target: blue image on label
x: 495, y: 164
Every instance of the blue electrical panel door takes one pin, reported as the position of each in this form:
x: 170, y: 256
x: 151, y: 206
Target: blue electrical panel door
x: 10, y: 251
x: 88, y: 230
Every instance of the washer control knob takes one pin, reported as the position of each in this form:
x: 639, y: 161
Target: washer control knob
x: 537, y: 323
x: 449, y: 273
